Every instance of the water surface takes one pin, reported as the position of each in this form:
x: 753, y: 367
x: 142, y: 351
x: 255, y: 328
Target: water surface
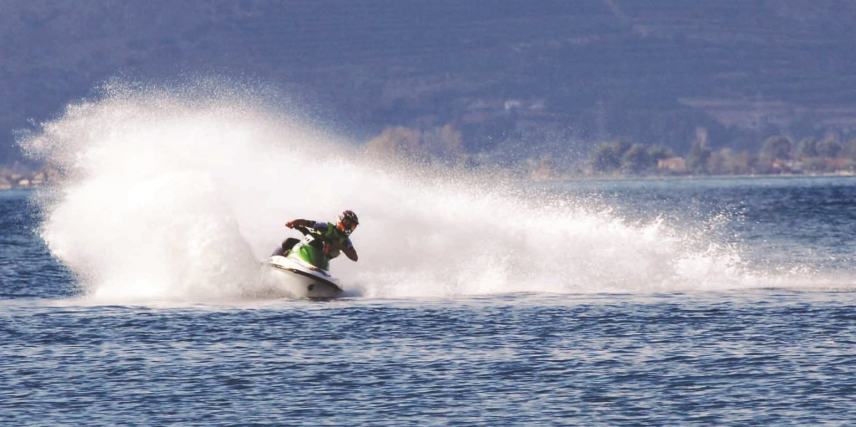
x: 777, y: 353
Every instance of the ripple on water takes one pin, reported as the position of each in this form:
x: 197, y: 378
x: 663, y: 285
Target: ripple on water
x: 719, y: 358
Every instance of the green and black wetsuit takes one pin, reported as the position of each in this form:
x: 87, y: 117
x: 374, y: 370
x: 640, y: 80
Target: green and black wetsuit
x: 320, y: 247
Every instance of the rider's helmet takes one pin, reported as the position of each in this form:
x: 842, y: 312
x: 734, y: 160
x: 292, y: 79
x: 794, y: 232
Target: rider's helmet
x: 349, y: 220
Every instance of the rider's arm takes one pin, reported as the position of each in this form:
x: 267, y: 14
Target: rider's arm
x: 300, y: 223
x: 350, y: 252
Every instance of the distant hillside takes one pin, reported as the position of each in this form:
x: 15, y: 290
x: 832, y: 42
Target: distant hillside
x: 515, y: 78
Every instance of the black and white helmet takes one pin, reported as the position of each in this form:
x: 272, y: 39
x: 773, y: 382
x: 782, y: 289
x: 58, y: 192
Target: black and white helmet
x: 349, y: 219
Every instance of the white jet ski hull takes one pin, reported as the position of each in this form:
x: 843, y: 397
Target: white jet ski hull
x: 298, y: 279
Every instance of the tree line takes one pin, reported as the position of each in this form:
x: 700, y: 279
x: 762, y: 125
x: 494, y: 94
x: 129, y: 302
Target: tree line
x: 777, y: 154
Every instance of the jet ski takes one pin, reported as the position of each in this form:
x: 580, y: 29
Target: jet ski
x: 286, y: 272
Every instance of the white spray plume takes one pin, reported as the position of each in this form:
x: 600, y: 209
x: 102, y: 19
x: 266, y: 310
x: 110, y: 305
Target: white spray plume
x: 178, y: 196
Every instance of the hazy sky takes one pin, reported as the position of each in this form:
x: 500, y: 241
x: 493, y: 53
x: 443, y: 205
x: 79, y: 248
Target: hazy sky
x: 540, y: 72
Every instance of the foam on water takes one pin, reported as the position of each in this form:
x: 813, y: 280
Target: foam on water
x: 179, y: 196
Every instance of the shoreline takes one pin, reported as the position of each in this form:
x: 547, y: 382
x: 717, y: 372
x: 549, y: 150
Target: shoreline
x: 40, y: 180
x: 17, y: 179
x: 691, y: 177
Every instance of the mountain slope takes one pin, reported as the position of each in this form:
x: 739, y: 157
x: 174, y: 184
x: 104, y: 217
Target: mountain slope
x: 516, y: 78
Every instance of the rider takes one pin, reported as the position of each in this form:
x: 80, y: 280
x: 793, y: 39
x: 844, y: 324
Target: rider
x: 328, y: 241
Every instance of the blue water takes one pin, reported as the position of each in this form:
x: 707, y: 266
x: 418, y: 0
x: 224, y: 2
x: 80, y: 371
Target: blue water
x: 764, y: 355
x: 780, y: 221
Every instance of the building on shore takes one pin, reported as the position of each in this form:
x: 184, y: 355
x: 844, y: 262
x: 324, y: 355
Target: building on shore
x: 676, y: 165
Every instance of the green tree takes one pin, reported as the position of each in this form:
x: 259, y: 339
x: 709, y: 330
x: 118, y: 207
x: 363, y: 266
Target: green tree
x: 850, y: 149
x: 636, y: 159
x: 829, y: 148
x: 807, y: 147
x: 776, y: 147
x: 607, y: 156
x: 440, y: 144
x: 698, y: 157
x: 728, y: 162
x: 659, y: 152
